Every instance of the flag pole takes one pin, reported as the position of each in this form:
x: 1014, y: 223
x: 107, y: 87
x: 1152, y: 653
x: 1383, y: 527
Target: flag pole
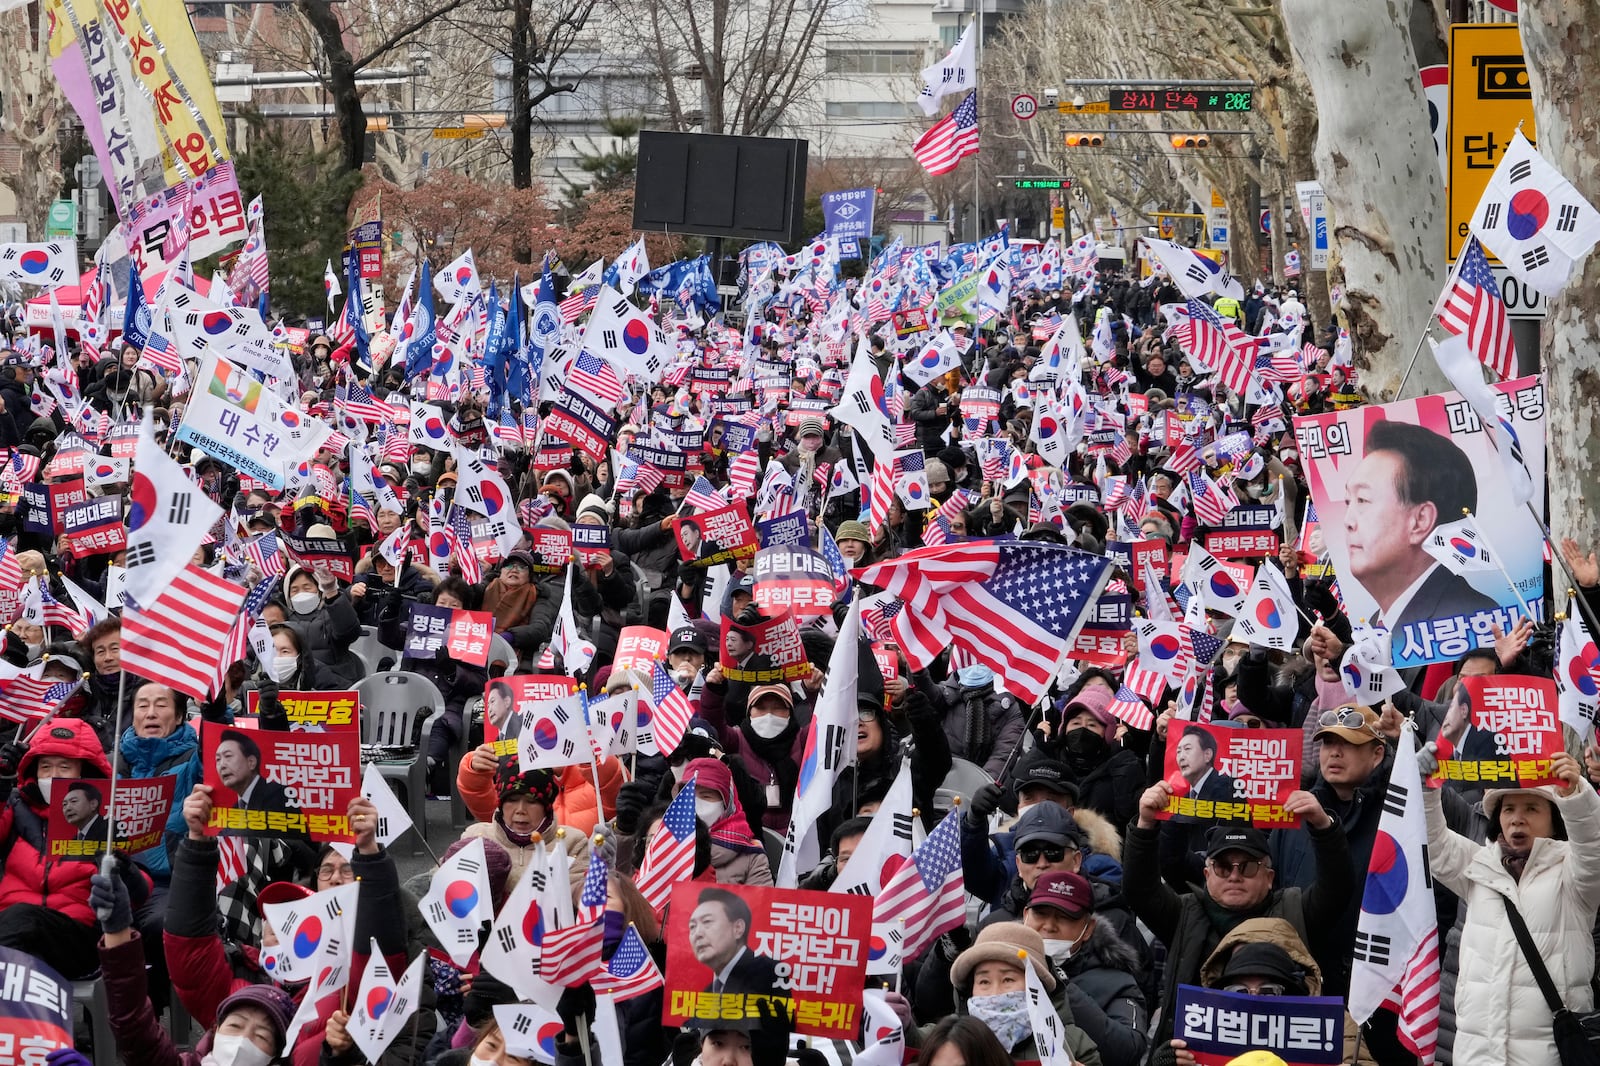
x: 1427, y: 327
x: 977, y: 157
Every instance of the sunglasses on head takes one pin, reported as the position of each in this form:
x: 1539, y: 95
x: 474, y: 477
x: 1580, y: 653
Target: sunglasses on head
x: 1347, y: 718
x: 1031, y: 853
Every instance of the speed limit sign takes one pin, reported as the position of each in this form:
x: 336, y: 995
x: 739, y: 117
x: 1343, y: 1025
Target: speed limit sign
x: 1024, y: 106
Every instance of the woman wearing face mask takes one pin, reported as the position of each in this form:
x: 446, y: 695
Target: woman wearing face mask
x: 1107, y: 774
x: 769, y: 743
x: 738, y: 857
x: 526, y: 817
x: 323, y: 616
x: 1100, y: 968
x: 290, y: 667
x: 992, y: 987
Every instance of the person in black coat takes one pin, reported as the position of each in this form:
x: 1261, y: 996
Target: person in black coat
x: 932, y: 408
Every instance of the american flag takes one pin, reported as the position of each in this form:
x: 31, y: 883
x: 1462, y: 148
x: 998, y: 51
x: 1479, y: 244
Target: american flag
x: 938, y: 530
x: 1184, y: 459
x: 162, y: 354
x: 579, y: 303
x: 357, y: 400
x: 631, y: 972
x: 459, y: 533
x: 1474, y: 306
x: 233, y: 860
x: 508, y: 432
x: 43, y: 609
x: 265, y: 554
x: 1128, y: 706
x: 570, y: 956
x: 24, y: 698
x: 951, y: 139
x: 1218, y: 344
x: 10, y: 569
x: 877, y: 616
x: 594, y: 377
x: 1137, y: 504
x: 22, y: 467
x: 1121, y: 450
x: 1014, y: 605
x: 993, y: 458
x: 669, y: 857
x: 1211, y: 503
x: 91, y: 332
x: 704, y: 496
x: 744, y: 470
x: 882, y: 494
x: 673, y: 709
x: 182, y: 636
x: 1280, y: 365
x: 926, y: 894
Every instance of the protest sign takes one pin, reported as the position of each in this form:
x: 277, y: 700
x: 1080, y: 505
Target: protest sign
x: 786, y: 530
x: 551, y: 550
x: 717, y: 536
x: 507, y: 699
x: 95, y: 527
x: 887, y: 652
x: 1501, y: 732
x: 804, y: 953
x: 798, y: 580
x: 35, y: 508
x: 64, y: 494
x: 314, y: 710
x: 1223, y: 774
x: 1217, y: 1027
x: 1246, y: 532
x: 237, y: 420
x: 320, y: 553
x: 79, y: 809
x: 592, y: 545
x: 463, y: 635
x: 669, y: 461
x: 582, y: 424
x: 1099, y: 642
x: 765, y: 654
x: 270, y: 783
x: 638, y: 647
x: 1132, y: 556
x: 1355, y: 462
x: 36, y: 1009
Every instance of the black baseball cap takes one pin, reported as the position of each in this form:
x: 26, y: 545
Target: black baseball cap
x: 1245, y: 838
x: 1044, y: 772
x: 686, y: 638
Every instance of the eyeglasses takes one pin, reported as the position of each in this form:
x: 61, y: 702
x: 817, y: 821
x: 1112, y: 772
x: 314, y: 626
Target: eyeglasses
x: 1033, y: 853
x: 328, y: 871
x: 864, y: 717
x: 1266, y: 988
x: 1247, y: 868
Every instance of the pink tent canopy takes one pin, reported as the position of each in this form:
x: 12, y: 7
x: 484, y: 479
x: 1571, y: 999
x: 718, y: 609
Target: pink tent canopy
x: 70, y: 297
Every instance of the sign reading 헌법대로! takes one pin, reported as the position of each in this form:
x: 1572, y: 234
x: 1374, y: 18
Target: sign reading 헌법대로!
x: 734, y: 951
x: 36, y: 1008
x: 1217, y: 1027
x: 1232, y: 775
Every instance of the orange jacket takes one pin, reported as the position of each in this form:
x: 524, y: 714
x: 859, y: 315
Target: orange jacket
x: 575, y: 805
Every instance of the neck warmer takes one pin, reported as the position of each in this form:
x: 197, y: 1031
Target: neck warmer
x: 1006, y: 1015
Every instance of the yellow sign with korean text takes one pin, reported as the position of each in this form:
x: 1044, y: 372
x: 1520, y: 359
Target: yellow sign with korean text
x: 1489, y: 96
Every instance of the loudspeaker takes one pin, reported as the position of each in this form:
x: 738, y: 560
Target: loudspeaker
x: 720, y: 186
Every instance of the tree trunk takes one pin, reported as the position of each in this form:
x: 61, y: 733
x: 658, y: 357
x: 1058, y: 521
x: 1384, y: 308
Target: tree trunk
x: 1375, y: 160
x: 32, y: 105
x: 521, y: 105
x: 1561, y: 39
x: 350, y: 117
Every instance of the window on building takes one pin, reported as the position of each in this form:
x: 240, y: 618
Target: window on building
x: 874, y: 61
x: 869, y: 109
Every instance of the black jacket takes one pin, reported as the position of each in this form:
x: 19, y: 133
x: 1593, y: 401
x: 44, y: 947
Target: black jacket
x: 1103, y: 989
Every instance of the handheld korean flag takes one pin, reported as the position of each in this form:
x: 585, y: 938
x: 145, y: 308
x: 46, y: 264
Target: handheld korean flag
x: 1396, y: 953
x: 1216, y: 586
x: 458, y: 902
x: 512, y: 950
x: 1163, y: 650
x: 567, y: 641
x: 885, y: 847
x: 554, y: 734
x: 1366, y: 670
x: 529, y: 1030
x: 45, y: 265
x: 1577, y: 674
x: 330, y: 284
x: 627, y: 336
x: 1460, y: 546
x: 384, y: 1005
x: 936, y: 359
x: 393, y: 820
x: 1533, y: 219
x: 168, y: 518
x: 1268, y: 618
x: 459, y: 280
x: 884, y: 1035
x: 1049, y: 1035
x: 315, y: 937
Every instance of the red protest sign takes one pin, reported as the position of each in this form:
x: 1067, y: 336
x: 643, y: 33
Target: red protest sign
x: 1514, y: 731
x: 733, y: 948
x: 1247, y: 532
x: 551, y: 549
x: 1232, y: 775
x: 94, y: 527
x: 468, y: 636
x: 506, y: 698
x: 64, y: 494
x: 718, y: 536
x: 638, y: 647
x: 766, y: 654
x: 79, y: 812
x: 887, y: 652
x: 266, y: 782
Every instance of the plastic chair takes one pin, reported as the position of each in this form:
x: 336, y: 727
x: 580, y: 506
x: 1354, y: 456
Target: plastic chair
x: 90, y: 994
x: 473, y: 710
x: 502, y: 654
x: 390, y: 703
x: 963, y: 780
x: 772, y: 840
x: 372, y: 651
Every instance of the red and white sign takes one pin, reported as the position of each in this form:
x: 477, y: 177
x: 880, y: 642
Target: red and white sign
x: 1024, y: 106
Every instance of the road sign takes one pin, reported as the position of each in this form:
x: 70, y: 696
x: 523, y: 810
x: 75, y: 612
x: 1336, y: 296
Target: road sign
x: 456, y: 133
x: 1521, y: 301
x: 1058, y: 218
x: 1266, y: 220
x: 1489, y: 95
x: 1093, y: 107
x: 1166, y: 226
x: 1319, y: 230
x: 1217, y: 222
x: 62, y: 220
x: 1024, y: 106
x: 1217, y: 200
x: 1041, y: 183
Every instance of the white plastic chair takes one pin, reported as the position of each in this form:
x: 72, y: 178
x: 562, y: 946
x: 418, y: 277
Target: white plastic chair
x: 390, y: 703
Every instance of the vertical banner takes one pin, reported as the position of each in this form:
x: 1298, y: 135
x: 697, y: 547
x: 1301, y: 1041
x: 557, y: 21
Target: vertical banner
x: 847, y: 215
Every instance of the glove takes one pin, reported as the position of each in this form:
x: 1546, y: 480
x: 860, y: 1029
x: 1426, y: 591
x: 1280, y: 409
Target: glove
x: 632, y: 799
x: 109, y: 898
x: 915, y: 703
x: 769, y: 1041
x: 576, y: 1002
x: 686, y: 1047
x: 11, y: 755
x: 1428, y: 760
x: 67, y: 1056
x: 327, y: 584
x: 984, y: 802
x: 810, y: 1056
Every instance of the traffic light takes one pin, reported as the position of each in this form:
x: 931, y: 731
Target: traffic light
x: 1191, y: 140
x: 1085, y: 140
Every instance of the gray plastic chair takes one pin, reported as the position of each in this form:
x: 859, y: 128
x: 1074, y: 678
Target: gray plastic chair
x: 502, y: 653
x: 390, y: 703
x: 371, y: 651
x: 963, y: 780
x: 772, y: 840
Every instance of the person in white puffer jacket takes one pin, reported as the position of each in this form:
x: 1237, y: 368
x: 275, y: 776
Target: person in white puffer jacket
x: 1544, y: 855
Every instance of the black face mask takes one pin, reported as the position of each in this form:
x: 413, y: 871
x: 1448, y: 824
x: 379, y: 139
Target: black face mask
x: 1085, y: 741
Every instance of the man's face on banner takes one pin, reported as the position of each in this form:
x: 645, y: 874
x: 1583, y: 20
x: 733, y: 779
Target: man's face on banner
x: 714, y: 936
x: 234, y: 767
x: 1383, y: 533
x: 78, y: 807
x: 1191, y: 758
x: 738, y: 643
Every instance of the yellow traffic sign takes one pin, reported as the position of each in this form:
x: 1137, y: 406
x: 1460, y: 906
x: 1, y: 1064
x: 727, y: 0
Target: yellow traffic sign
x: 1096, y: 107
x: 1217, y: 200
x: 1489, y: 96
x: 1058, y: 217
x: 456, y: 133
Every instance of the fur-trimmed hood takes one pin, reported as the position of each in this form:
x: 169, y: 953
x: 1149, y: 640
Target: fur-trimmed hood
x: 1103, y: 836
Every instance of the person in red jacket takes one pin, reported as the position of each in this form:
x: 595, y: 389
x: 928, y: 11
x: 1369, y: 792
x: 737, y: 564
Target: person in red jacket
x: 44, y: 903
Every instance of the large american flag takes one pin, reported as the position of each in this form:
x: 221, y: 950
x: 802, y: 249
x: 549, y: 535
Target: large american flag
x: 927, y: 893
x: 594, y: 377
x: 1474, y: 306
x: 1016, y: 606
x: 357, y: 400
x: 631, y: 971
x: 669, y: 857
x: 951, y: 139
x: 182, y: 636
x: 1218, y: 344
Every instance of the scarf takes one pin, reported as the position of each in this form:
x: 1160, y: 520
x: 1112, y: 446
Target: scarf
x: 509, y: 606
x: 777, y: 753
x: 1006, y: 1015
x: 1514, y: 861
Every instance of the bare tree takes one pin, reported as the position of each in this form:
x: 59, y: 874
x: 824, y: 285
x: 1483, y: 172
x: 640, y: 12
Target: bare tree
x: 31, y: 115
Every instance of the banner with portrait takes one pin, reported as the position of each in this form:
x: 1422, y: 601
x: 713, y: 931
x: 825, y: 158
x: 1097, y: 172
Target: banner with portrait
x: 769, y: 653
x: 266, y: 782
x: 1501, y: 732
x: 1383, y: 477
x: 1223, y: 774
x: 506, y: 700
x: 717, y: 536
x: 81, y: 809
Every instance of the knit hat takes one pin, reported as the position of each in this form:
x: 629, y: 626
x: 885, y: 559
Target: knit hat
x: 277, y: 1004
x: 592, y: 503
x: 711, y: 773
x: 853, y: 530
x: 1096, y: 699
x: 811, y: 425
x: 937, y: 472
x: 537, y: 785
x: 1001, y: 942
x: 1259, y: 959
x: 565, y: 478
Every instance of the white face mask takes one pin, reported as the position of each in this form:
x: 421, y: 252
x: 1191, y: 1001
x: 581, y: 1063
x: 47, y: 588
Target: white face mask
x: 708, y: 811
x: 283, y: 666
x: 768, y: 726
x: 34, y: 651
x: 235, y: 1051
x: 475, y: 1061
x: 44, y: 787
x: 1058, y: 950
x: 304, y: 602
